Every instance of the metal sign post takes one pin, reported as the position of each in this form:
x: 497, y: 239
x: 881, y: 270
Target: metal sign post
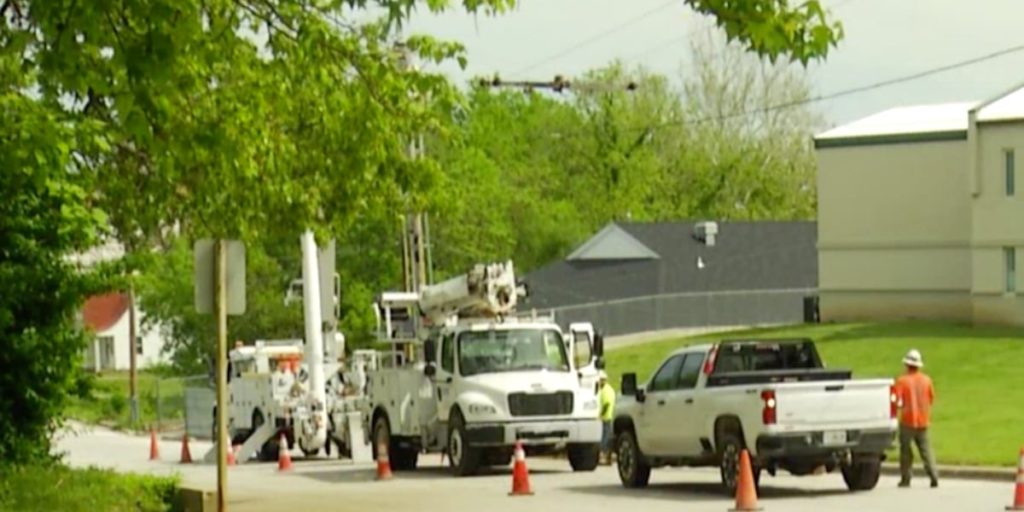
x: 220, y: 289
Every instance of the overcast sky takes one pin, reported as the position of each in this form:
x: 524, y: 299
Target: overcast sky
x: 884, y: 39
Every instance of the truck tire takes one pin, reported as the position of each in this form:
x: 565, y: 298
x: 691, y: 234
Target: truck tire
x: 584, y: 457
x: 400, y: 458
x: 270, y: 449
x: 729, y: 448
x: 465, y: 459
x: 634, y: 472
x: 862, y: 475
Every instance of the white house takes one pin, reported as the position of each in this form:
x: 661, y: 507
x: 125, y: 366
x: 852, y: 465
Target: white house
x: 107, y: 316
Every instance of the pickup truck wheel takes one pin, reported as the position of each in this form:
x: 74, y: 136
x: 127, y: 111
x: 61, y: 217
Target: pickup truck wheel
x: 465, y: 459
x: 862, y: 475
x: 729, y: 464
x: 634, y: 472
x: 584, y: 457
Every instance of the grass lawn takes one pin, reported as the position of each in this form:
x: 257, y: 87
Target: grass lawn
x: 160, y: 398
x: 978, y: 373
x: 69, y: 490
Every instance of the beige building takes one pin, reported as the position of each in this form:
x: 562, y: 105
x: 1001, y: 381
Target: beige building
x: 920, y: 216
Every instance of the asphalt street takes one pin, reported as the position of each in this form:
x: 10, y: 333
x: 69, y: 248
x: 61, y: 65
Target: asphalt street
x: 335, y: 485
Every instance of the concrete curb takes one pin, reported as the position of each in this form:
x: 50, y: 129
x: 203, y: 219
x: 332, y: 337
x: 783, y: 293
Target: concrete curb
x: 993, y: 474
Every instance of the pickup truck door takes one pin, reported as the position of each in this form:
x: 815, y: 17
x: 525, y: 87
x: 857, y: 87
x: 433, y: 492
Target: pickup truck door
x: 656, y: 427
x: 684, y: 419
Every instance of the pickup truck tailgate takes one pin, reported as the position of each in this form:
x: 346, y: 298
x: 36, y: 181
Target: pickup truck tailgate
x: 820, y: 405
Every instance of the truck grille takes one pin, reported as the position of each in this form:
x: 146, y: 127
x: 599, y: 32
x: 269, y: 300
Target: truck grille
x: 548, y: 404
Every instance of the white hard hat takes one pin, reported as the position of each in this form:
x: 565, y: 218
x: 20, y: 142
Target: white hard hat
x: 913, y: 358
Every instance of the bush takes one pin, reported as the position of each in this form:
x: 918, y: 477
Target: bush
x: 56, y: 487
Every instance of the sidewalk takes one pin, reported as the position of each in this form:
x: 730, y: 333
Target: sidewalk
x: 995, y: 474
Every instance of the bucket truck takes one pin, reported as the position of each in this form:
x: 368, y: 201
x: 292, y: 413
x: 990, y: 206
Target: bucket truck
x: 480, y: 378
x: 287, y: 387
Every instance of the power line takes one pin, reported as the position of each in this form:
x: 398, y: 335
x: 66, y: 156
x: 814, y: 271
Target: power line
x: 597, y: 37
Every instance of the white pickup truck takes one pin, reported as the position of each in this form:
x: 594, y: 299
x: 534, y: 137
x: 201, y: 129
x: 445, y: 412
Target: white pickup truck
x: 774, y: 398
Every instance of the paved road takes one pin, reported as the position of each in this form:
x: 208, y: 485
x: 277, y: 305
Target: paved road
x: 332, y: 485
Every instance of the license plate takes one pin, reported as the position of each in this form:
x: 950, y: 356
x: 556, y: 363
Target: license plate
x: 834, y: 438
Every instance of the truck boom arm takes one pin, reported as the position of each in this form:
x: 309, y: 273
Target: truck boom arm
x: 486, y: 290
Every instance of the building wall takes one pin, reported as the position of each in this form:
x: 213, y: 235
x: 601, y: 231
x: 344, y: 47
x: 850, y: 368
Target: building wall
x: 152, y: 343
x: 894, y: 224
x: 998, y: 223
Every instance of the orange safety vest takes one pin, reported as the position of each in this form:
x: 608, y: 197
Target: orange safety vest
x: 916, y: 395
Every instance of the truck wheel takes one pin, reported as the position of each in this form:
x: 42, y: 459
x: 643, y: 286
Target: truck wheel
x: 862, y: 475
x: 730, y: 447
x: 270, y: 449
x: 634, y: 471
x: 465, y: 459
x: 400, y: 458
x: 584, y: 457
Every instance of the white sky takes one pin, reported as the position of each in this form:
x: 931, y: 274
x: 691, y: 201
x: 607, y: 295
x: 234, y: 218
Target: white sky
x: 884, y: 39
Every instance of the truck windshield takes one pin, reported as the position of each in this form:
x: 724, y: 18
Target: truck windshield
x: 510, y: 350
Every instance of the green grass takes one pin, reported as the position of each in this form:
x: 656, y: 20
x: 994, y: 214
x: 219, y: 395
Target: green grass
x: 106, y: 402
x: 34, y: 488
x: 978, y: 418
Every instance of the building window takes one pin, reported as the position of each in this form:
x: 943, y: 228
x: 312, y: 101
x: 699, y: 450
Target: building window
x: 1010, y: 255
x: 1010, y: 185
x: 138, y: 345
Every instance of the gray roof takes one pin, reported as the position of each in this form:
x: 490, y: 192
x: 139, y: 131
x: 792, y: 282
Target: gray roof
x: 746, y: 256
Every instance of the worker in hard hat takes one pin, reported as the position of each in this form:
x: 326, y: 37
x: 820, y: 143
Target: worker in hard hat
x: 915, y: 395
x: 606, y: 406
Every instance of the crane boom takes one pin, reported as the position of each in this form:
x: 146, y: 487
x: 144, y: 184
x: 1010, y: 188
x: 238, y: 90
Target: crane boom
x: 487, y: 290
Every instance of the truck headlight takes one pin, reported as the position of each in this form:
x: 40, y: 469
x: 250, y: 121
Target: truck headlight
x: 481, y: 409
x: 590, y: 405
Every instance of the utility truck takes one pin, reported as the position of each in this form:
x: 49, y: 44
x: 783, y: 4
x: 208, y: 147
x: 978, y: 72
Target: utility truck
x: 298, y: 388
x: 469, y: 378
x: 774, y: 398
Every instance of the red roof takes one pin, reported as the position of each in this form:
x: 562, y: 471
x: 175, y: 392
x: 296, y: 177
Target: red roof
x: 101, y: 312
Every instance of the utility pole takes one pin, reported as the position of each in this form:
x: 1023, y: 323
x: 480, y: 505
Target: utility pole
x: 133, y: 393
x: 221, y: 311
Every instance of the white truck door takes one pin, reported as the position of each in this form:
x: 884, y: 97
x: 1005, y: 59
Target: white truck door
x: 581, y: 349
x: 656, y: 426
x: 683, y: 414
x: 443, y: 379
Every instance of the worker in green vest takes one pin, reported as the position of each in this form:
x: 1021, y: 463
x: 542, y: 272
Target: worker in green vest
x: 606, y: 404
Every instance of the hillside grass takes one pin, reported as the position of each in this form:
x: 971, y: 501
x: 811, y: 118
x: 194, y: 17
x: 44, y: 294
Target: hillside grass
x: 104, y: 401
x: 43, y: 488
x: 978, y: 418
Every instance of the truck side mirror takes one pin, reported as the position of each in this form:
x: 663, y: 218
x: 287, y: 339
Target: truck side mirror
x: 429, y: 349
x: 628, y: 386
x: 598, y: 345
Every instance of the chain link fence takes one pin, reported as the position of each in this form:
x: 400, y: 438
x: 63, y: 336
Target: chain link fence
x: 694, y: 310
x: 182, y: 405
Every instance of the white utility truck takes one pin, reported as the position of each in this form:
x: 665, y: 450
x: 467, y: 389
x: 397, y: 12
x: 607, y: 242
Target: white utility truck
x: 291, y: 387
x: 474, y: 378
x: 773, y: 398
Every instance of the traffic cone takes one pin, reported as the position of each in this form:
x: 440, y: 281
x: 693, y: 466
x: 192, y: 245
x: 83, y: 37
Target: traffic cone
x: 383, y: 463
x: 154, y: 448
x: 520, y: 475
x: 186, y: 455
x: 284, y: 459
x: 746, y: 494
x: 231, y: 461
x: 1018, y: 494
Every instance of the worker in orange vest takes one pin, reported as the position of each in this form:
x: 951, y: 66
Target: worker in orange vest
x: 915, y: 396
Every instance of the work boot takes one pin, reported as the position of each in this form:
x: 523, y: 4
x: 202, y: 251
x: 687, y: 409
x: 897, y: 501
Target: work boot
x: 904, y: 483
x: 935, y: 483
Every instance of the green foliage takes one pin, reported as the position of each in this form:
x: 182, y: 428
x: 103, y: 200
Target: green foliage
x: 45, y: 214
x: 976, y: 416
x: 61, y: 488
x: 161, y: 401
x: 771, y: 28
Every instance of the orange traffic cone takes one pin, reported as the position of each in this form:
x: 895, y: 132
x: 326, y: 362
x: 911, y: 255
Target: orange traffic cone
x: 1018, y: 494
x: 520, y: 475
x: 231, y: 461
x: 154, y: 448
x: 383, y: 463
x: 746, y: 494
x: 186, y: 455
x: 284, y: 459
